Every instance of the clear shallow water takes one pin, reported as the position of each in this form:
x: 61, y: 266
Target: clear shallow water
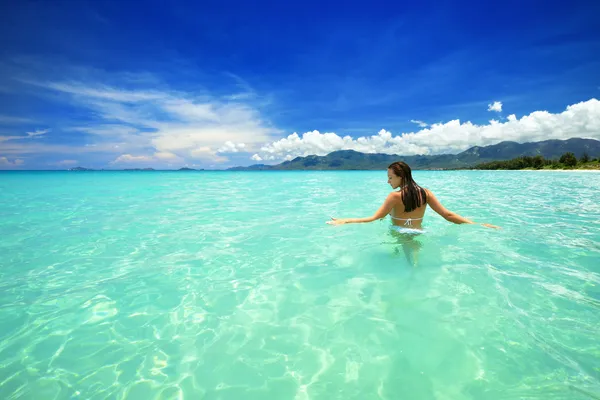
x: 222, y: 285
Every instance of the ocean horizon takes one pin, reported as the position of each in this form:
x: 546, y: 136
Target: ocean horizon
x: 293, y: 170
x: 175, y: 285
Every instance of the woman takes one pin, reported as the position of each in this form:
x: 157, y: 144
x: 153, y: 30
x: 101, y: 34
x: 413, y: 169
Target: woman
x: 407, y: 205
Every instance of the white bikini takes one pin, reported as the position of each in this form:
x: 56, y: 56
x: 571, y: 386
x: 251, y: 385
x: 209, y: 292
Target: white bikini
x: 408, y: 220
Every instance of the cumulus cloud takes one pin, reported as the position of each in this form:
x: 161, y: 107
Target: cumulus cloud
x: 5, y: 162
x: 495, y: 106
x: 230, y: 147
x: 578, y: 120
x: 420, y: 123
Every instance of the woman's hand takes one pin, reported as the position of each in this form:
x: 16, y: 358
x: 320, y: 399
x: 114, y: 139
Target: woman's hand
x: 336, y: 221
x: 490, y: 226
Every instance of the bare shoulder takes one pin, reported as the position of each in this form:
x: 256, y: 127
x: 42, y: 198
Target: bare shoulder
x: 395, y: 195
x: 394, y: 198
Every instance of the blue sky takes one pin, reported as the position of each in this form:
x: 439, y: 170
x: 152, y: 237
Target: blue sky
x: 120, y: 84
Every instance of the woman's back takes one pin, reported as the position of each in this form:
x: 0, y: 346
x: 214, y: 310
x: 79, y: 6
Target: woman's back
x: 410, y: 207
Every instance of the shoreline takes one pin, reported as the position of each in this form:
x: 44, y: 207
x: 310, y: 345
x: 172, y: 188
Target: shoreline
x: 542, y: 170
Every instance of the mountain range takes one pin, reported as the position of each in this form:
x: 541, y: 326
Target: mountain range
x: 354, y: 160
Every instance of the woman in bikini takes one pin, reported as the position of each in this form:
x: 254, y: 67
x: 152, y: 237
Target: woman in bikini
x: 407, y: 205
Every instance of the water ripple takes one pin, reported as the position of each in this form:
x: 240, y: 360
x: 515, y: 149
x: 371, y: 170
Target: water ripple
x: 231, y: 286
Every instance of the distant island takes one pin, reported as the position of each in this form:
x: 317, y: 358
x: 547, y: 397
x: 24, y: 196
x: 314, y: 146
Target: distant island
x: 126, y: 169
x: 468, y: 159
x: 130, y: 169
x: 80, y: 169
x: 566, y: 161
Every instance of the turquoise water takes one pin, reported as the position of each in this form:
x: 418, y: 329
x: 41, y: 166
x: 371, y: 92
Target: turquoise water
x: 223, y: 285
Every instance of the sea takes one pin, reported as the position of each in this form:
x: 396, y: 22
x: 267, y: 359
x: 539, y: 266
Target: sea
x: 230, y: 285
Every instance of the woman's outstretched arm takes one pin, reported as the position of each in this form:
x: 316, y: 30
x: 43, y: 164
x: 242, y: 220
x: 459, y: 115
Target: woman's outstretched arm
x: 448, y: 215
x: 384, y: 210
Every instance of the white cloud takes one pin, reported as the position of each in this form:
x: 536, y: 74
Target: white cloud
x: 578, y: 120
x: 38, y: 132
x: 107, y: 130
x: 165, y: 155
x: 100, y: 92
x: 230, y: 147
x: 12, y: 147
x: 190, y: 111
x: 420, y: 123
x: 5, y: 162
x: 128, y: 158
x: 256, y: 157
x: 205, y: 153
x: 495, y: 106
x: 144, y: 122
x: 158, y: 157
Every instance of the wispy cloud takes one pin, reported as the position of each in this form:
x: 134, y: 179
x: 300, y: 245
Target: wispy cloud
x: 18, y: 148
x: 64, y: 163
x: 578, y: 120
x: 34, y: 134
x: 147, y: 125
x: 38, y: 132
x: 128, y: 158
x: 98, y: 91
x: 156, y: 158
x: 5, y: 138
x: 420, y: 123
x: 10, y: 120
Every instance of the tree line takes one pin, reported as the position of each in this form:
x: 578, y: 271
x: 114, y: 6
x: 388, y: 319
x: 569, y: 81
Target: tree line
x: 567, y: 160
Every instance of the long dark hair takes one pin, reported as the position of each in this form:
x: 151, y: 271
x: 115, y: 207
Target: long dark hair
x: 413, y: 195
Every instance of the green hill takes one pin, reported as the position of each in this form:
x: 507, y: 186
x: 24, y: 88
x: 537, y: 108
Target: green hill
x: 354, y: 160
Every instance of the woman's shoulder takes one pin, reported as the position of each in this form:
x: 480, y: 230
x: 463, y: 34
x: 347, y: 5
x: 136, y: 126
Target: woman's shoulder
x: 395, y: 196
